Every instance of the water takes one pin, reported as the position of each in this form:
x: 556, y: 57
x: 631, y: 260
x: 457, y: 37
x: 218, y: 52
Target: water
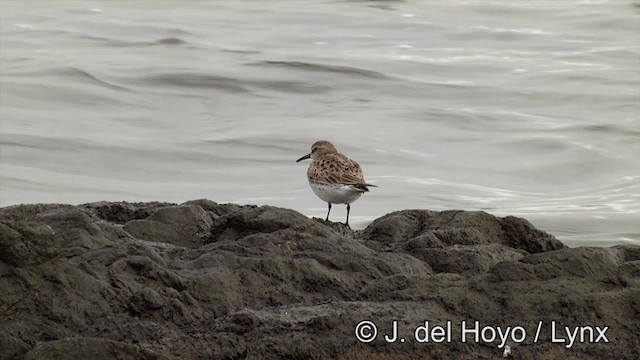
x: 512, y: 107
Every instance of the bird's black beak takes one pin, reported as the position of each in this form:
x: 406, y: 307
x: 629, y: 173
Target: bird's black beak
x: 304, y: 157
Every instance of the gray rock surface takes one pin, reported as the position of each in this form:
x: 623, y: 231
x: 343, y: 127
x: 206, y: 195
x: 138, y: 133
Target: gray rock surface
x: 203, y: 280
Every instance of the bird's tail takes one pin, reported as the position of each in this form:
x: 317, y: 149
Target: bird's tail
x: 364, y: 187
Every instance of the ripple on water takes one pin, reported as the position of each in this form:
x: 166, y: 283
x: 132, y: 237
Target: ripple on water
x: 326, y: 68
x: 114, y: 42
x: 231, y: 84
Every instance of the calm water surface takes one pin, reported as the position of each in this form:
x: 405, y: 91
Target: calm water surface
x: 513, y: 107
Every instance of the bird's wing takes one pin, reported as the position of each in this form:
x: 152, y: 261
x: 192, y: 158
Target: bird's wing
x: 336, y: 169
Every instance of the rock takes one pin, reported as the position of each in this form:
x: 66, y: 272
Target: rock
x: 446, y: 228
x: 25, y: 243
x: 122, y: 212
x: 11, y: 346
x: 266, y: 219
x: 467, y: 259
x: 74, y: 229
x: 520, y: 234
x: 223, y: 281
x: 87, y: 348
x: 216, y: 209
x: 185, y: 225
x: 29, y: 211
x: 576, y: 262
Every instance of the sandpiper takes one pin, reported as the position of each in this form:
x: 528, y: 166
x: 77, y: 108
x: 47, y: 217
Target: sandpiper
x: 334, y: 177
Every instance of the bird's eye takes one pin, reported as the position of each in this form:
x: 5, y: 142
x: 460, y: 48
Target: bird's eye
x: 313, y: 150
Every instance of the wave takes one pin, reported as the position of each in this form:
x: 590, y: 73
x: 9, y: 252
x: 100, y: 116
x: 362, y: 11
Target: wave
x: 231, y: 84
x: 130, y: 43
x: 306, y: 66
x: 72, y: 72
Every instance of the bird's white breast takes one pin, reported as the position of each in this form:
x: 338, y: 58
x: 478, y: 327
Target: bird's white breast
x: 335, y: 194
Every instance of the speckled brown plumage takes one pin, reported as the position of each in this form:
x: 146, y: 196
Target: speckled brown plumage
x: 331, y: 167
x: 335, y: 169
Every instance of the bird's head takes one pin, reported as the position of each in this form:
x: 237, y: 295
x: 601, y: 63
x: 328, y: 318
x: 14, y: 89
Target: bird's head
x: 319, y: 148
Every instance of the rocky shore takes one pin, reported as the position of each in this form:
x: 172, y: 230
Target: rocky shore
x: 202, y: 280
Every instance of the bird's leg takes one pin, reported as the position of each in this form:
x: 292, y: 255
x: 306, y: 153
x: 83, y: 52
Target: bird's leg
x: 348, y: 209
x: 327, y: 219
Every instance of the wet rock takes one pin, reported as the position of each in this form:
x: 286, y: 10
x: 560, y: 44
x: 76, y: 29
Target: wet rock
x: 446, y: 228
x: 223, y: 281
x: 216, y: 209
x: 122, y: 212
x: 185, y: 225
x: 266, y: 219
x: 576, y: 262
x: 87, y: 348
x: 25, y: 243
x: 74, y: 230
x: 28, y: 211
x: 242, y: 322
x: 11, y: 346
x: 467, y: 259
